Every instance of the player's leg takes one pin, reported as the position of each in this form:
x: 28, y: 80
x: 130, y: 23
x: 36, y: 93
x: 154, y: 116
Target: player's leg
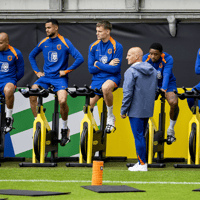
x: 43, y: 82
x: 60, y: 85
x: 33, y: 101
x: 174, y: 111
x: 9, y: 90
x: 107, y: 88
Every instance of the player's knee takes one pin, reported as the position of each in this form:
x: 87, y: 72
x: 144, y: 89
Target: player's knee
x: 62, y: 102
x: 106, y: 89
x: 34, y: 86
x: 9, y: 89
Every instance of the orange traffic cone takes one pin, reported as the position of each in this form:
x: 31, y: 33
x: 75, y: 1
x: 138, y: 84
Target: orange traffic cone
x: 97, y: 173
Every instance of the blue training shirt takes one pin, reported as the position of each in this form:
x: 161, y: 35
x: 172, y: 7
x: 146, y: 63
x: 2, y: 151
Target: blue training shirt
x: 104, y: 53
x: 197, y: 64
x: 56, y: 55
x: 11, y: 64
x: 164, y: 69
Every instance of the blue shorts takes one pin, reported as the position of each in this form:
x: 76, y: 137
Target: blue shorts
x: 2, y: 85
x: 171, y: 86
x: 197, y: 86
x: 98, y: 84
x: 60, y: 83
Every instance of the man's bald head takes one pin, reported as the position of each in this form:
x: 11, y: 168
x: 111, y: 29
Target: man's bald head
x: 134, y: 55
x: 4, y: 41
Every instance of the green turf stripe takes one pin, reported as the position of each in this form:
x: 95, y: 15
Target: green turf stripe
x: 26, y: 154
x: 24, y: 120
x: 70, y: 149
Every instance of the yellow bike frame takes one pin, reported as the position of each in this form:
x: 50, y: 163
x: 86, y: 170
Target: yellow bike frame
x: 89, y: 119
x: 195, y: 119
x: 41, y: 118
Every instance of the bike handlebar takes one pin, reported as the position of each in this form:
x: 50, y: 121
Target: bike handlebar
x: 85, y: 91
x: 40, y: 91
x: 188, y: 94
x: 159, y: 92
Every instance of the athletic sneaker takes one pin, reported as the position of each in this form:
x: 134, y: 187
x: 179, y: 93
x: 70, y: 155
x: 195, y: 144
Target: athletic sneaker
x: 133, y: 167
x: 170, y: 136
x: 110, y: 124
x: 140, y: 168
x: 65, y: 136
x: 9, y: 124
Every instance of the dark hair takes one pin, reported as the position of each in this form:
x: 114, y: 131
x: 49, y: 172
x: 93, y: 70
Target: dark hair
x: 53, y: 21
x: 156, y: 46
x: 105, y: 24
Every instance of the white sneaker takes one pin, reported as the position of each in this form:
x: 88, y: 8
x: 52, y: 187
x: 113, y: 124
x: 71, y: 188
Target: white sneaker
x: 133, y: 168
x: 170, y: 136
x: 140, y: 168
x: 110, y: 124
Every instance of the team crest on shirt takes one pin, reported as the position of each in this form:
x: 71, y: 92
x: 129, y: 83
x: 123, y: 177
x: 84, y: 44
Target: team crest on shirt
x: 4, y: 66
x: 9, y: 58
x: 52, y: 56
x: 104, y: 59
x: 59, y: 46
x: 160, y: 65
x: 109, y: 51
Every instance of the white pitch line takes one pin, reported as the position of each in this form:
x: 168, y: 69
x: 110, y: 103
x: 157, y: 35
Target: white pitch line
x: 87, y: 181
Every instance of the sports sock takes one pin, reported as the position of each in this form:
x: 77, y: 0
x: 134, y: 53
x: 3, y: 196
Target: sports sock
x: 9, y: 112
x: 65, y: 124
x: 172, y: 123
x: 110, y: 110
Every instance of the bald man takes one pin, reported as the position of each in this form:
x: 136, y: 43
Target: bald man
x: 11, y: 71
x: 139, y: 89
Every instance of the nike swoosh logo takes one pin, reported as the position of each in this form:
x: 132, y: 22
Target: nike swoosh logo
x: 97, y: 50
x: 46, y: 46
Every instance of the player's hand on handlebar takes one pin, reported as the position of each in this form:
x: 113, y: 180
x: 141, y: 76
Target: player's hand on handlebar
x: 123, y: 116
x: 114, y: 62
x: 39, y: 74
x: 62, y: 73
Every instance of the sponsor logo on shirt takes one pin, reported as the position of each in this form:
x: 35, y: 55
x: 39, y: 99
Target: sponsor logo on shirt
x: 9, y: 58
x: 59, y: 46
x: 52, y: 56
x: 109, y: 51
x: 104, y: 59
x: 4, y: 66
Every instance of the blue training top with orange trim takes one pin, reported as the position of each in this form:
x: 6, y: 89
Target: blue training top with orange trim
x: 11, y: 64
x: 103, y: 53
x: 164, y: 69
x: 56, y: 55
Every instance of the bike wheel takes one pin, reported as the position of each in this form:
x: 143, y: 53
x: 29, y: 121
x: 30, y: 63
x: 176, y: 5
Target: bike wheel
x: 84, y: 139
x: 37, y: 140
x: 192, y: 144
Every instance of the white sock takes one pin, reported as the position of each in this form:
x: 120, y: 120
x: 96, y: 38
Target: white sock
x: 172, y: 123
x: 110, y: 110
x: 9, y: 112
x: 65, y: 124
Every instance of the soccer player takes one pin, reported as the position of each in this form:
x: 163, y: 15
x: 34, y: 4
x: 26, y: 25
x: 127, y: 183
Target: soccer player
x: 163, y: 63
x: 139, y: 89
x: 197, y: 71
x: 56, y: 50
x: 104, y: 63
x: 11, y: 71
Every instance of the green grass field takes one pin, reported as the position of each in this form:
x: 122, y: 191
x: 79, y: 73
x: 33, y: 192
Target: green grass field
x: 164, y: 183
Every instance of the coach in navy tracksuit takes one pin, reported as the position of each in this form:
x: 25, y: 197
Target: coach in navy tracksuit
x: 139, y: 88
